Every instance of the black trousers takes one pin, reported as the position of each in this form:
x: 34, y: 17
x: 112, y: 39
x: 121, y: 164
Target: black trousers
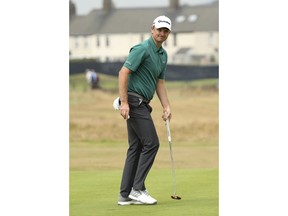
x: 143, y: 146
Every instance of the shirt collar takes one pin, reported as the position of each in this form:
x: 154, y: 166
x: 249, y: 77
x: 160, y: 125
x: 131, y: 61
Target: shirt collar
x: 154, y: 47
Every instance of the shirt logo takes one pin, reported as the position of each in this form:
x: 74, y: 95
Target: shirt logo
x: 128, y: 62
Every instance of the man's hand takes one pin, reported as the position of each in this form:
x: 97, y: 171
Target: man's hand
x: 124, y: 110
x: 166, y: 114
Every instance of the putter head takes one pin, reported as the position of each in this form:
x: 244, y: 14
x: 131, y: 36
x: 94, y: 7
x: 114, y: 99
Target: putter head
x: 176, y: 197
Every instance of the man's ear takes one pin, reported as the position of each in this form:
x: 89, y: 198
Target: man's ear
x: 152, y: 28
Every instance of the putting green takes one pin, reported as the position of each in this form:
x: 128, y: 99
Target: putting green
x: 95, y: 193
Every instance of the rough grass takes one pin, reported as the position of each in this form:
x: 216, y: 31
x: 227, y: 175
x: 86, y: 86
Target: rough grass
x: 98, y: 143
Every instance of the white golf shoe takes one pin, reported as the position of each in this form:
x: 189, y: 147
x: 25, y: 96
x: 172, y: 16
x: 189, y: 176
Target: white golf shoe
x: 142, y: 196
x: 128, y: 201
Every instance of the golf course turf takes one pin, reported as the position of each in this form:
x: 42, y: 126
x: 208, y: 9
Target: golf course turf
x: 98, y: 144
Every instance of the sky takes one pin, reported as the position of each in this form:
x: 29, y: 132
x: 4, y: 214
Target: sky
x: 85, y: 6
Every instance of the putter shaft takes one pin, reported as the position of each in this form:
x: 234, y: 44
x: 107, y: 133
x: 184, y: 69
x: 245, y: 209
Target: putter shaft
x: 171, y: 154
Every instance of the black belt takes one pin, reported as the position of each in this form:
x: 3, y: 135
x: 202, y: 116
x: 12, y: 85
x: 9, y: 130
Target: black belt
x: 140, y: 97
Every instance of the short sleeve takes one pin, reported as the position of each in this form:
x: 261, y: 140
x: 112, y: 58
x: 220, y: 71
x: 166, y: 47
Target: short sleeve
x: 135, y: 58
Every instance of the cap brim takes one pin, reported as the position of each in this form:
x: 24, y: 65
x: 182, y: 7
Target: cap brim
x: 163, y: 26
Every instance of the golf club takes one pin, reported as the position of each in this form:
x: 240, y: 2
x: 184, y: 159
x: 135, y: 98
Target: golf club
x: 174, y: 196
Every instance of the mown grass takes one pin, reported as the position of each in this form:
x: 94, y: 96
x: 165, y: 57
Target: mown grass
x: 98, y: 143
x: 95, y: 192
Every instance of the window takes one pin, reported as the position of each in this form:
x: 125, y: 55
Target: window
x: 180, y: 19
x: 107, y: 41
x: 85, y: 42
x: 165, y: 43
x: 211, y: 39
x: 97, y: 41
x: 193, y: 18
x: 76, y: 44
x: 175, y: 39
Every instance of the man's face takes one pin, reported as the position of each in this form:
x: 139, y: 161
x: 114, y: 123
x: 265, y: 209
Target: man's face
x: 160, y: 35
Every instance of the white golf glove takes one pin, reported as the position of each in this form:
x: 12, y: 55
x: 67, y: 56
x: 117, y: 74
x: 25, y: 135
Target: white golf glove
x: 116, y: 103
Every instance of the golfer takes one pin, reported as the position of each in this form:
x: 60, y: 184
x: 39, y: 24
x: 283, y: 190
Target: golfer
x: 142, y: 74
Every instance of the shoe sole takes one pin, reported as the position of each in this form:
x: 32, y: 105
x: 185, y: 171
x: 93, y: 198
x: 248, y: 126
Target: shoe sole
x: 130, y: 203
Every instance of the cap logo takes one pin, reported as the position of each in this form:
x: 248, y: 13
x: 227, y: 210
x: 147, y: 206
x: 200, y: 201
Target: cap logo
x: 159, y: 21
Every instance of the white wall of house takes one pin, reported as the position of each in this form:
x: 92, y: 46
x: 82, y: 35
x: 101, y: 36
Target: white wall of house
x: 115, y: 47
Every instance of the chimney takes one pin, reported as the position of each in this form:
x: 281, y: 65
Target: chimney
x: 174, y: 4
x: 107, y: 5
x: 72, y: 9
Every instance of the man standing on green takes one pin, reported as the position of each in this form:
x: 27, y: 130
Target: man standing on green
x: 142, y: 74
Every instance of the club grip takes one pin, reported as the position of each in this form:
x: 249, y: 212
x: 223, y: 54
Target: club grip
x: 168, y: 130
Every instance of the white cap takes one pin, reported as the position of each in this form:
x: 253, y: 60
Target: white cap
x: 162, y: 22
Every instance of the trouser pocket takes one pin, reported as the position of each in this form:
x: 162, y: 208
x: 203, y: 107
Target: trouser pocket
x: 139, y: 109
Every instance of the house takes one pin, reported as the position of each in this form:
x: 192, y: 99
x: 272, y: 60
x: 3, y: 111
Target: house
x: 107, y: 34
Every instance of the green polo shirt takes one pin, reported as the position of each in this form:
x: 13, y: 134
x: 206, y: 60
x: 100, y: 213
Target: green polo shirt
x: 148, y: 64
